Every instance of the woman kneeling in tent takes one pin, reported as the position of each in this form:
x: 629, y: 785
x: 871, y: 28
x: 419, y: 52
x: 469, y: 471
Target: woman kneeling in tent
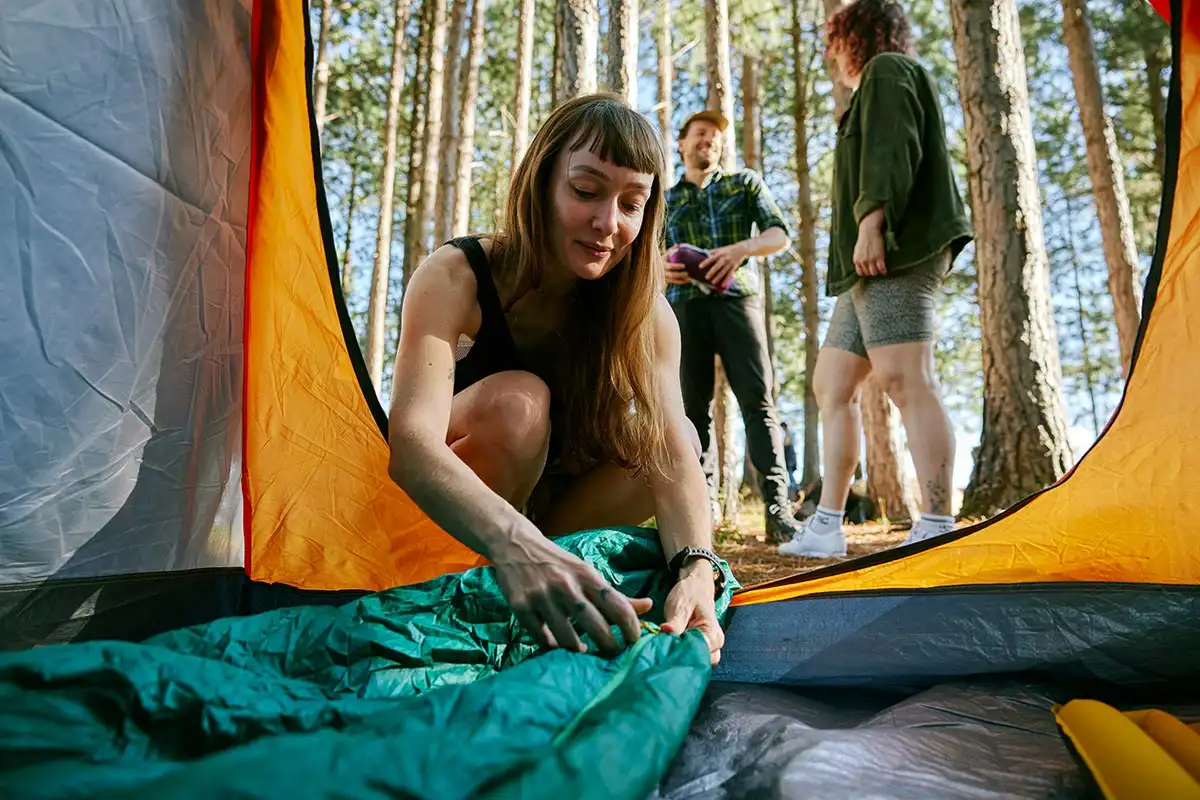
x: 538, y: 369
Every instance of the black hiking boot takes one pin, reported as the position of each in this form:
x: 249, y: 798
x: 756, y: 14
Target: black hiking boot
x: 781, y: 525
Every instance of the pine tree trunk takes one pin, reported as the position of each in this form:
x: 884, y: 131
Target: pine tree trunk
x: 321, y: 72
x: 1024, y: 445
x: 416, y: 147
x: 465, y: 157
x: 720, y: 80
x: 887, y: 481
x: 1108, y: 180
x: 752, y: 159
x: 351, y: 207
x: 443, y: 215
x: 378, y: 304
x: 579, y: 30
x: 720, y: 97
x: 623, y: 49
x: 811, y: 469
x: 524, y: 80
x: 666, y: 76
x: 1084, y: 339
x: 1158, y: 109
x: 431, y: 138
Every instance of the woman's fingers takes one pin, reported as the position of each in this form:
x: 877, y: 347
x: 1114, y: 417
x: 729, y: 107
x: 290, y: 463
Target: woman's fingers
x: 558, y: 623
x: 620, y: 611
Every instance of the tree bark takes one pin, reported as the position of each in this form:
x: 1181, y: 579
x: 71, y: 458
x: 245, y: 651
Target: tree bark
x: 1024, y: 445
x: 666, y: 77
x: 351, y: 206
x: 1158, y: 109
x: 811, y: 469
x: 720, y: 80
x: 752, y: 158
x: 430, y: 164
x: 416, y: 147
x: 623, y: 49
x: 378, y: 304
x: 443, y: 215
x: 524, y: 80
x: 465, y: 158
x: 720, y: 97
x: 579, y: 30
x: 321, y: 76
x: 1108, y: 180
x: 887, y: 480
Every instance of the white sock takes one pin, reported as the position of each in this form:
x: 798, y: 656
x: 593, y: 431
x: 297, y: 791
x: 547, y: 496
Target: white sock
x: 936, y: 522
x: 826, y: 521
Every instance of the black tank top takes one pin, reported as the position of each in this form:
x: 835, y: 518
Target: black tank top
x: 493, y: 349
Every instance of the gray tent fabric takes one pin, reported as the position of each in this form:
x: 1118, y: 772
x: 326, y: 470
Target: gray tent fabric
x: 957, y: 740
x: 124, y: 179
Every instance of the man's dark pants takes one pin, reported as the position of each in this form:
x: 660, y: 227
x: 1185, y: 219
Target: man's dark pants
x: 734, y: 329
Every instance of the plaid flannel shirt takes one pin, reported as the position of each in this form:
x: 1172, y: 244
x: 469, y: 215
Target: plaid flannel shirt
x: 720, y: 213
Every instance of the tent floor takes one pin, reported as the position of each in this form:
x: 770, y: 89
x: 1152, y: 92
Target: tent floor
x: 955, y: 740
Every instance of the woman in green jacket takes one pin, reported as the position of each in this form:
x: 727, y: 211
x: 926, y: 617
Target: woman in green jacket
x: 898, y: 224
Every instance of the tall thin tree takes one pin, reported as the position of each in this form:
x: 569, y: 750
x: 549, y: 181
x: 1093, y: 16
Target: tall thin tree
x: 802, y: 68
x: 623, y: 49
x: 416, y: 149
x: 321, y: 72
x: 1108, y: 179
x: 1024, y: 445
x: 435, y: 74
x: 666, y: 77
x: 443, y: 215
x: 578, y: 31
x: 378, y: 303
x: 720, y: 97
x: 466, y: 138
x: 524, y: 81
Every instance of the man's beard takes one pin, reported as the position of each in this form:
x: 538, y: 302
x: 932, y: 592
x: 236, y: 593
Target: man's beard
x: 704, y: 159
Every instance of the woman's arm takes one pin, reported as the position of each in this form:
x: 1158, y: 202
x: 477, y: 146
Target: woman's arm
x: 546, y: 586
x: 682, y: 510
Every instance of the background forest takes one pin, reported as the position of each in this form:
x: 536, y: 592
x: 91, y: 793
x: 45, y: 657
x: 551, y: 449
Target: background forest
x: 423, y: 105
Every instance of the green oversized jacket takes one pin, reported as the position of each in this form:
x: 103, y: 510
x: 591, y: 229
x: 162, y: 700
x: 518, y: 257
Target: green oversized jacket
x: 891, y: 152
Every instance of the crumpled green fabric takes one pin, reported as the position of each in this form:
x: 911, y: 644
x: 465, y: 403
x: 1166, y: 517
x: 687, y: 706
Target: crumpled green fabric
x: 430, y: 690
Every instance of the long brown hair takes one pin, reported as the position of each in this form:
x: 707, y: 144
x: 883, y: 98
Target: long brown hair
x: 609, y: 406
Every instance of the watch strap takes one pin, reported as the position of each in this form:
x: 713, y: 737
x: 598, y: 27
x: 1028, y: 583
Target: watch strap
x: 680, y: 559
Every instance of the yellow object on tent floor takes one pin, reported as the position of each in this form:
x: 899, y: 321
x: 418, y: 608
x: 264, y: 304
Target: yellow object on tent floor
x: 1135, y: 754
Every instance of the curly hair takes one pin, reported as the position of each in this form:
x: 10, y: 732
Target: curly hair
x: 868, y: 28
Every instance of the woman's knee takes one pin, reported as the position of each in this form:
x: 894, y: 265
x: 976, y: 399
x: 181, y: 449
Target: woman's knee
x: 513, y: 413
x: 905, y: 383
x: 837, y: 379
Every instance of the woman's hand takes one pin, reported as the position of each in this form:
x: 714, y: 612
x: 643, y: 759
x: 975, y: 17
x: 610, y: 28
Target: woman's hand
x: 869, y: 249
x: 551, y: 591
x: 692, y: 604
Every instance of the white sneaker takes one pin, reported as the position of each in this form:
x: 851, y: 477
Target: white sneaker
x: 808, y: 544
x: 920, y: 533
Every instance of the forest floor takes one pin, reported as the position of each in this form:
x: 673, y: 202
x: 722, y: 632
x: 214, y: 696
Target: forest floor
x: 754, y: 561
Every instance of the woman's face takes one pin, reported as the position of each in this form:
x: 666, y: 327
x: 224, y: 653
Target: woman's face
x: 596, y: 212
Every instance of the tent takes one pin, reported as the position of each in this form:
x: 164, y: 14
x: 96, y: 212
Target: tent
x: 208, y: 583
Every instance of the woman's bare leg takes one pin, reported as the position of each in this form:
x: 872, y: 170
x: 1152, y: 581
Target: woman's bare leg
x: 607, y: 496
x: 837, y: 383
x: 906, y: 373
x: 500, y: 427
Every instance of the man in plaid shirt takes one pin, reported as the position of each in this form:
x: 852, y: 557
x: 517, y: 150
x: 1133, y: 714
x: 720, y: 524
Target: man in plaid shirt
x: 715, y: 210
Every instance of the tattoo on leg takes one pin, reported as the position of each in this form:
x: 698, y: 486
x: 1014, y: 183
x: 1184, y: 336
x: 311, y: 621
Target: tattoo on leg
x: 937, y: 491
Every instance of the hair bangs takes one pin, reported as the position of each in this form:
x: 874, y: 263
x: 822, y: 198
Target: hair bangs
x: 621, y: 136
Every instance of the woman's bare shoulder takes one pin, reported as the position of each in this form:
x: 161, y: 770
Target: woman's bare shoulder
x: 443, y: 287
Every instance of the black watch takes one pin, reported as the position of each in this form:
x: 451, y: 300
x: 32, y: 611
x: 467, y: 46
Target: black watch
x: 687, y: 554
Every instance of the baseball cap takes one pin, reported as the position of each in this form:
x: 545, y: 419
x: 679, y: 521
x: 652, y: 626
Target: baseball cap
x: 715, y: 117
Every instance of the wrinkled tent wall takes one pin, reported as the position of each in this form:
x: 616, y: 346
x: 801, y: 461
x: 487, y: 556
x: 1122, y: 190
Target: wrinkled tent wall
x: 124, y: 174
